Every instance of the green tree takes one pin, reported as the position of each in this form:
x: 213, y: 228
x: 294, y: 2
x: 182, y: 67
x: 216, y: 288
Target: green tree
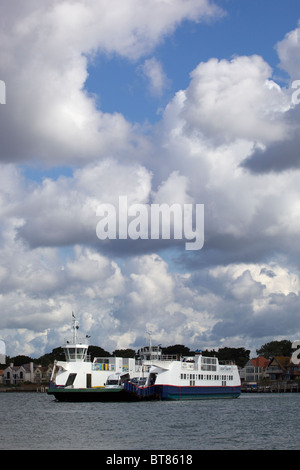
x: 124, y: 353
x: 96, y: 351
x: 276, y: 348
x: 57, y: 354
x: 177, y: 349
x: 20, y: 360
x: 240, y: 356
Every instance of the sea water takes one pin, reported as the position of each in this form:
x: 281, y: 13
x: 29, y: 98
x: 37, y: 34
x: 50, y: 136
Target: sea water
x: 264, y: 421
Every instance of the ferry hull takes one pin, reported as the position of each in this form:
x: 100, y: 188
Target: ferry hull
x: 89, y: 395
x: 171, y: 392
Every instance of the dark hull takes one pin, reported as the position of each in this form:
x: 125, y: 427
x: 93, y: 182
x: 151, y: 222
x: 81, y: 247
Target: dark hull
x: 133, y: 393
x: 170, y: 392
x: 90, y: 395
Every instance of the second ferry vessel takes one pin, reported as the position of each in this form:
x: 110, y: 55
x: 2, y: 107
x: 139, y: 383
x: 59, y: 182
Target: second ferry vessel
x: 187, y: 378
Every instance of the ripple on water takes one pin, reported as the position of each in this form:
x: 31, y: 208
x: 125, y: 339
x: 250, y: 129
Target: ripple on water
x: 254, y: 421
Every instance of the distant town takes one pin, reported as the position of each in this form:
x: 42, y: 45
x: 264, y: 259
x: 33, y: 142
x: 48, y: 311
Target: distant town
x: 273, y: 370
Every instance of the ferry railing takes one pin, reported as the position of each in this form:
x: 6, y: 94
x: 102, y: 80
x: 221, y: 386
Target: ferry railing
x: 80, y: 340
x: 168, y: 357
x: 155, y: 357
x: 79, y: 357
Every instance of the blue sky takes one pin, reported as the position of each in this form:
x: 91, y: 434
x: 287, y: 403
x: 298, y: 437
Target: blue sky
x: 188, y: 101
x: 247, y: 28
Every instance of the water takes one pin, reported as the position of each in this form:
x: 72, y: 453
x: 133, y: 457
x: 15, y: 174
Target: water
x: 253, y: 421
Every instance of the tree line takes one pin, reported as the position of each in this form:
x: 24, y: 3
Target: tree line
x: 239, y: 355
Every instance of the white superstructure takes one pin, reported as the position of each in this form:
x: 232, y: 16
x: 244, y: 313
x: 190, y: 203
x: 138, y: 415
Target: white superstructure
x: 79, y: 372
x: 192, y: 377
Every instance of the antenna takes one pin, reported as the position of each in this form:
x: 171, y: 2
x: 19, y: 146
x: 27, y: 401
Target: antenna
x: 75, y: 328
x: 149, y: 333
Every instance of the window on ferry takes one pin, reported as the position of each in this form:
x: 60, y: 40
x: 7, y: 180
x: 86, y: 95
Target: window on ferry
x: 71, y: 352
x: 112, y: 382
x: 71, y: 379
x: 80, y: 352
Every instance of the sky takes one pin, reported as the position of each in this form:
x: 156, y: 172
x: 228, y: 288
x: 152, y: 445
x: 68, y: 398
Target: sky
x: 188, y: 102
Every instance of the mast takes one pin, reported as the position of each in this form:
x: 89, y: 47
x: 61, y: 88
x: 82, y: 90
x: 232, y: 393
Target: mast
x: 76, y: 349
x: 75, y: 328
x: 149, y: 333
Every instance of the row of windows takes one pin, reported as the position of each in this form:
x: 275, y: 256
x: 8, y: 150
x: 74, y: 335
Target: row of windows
x: 252, y: 370
x: 20, y: 375
x: 208, y: 367
x: 205, y: 377
x: 209, y: 360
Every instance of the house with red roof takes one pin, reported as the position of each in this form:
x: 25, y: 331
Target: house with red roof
x: 282, y: 368
x: 255, y: 369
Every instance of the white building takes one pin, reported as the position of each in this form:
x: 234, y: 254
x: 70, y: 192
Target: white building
x: 2, y: 352
x: 31, y: 372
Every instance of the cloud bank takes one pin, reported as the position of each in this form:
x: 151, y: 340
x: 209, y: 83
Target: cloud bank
x: 229, y: 140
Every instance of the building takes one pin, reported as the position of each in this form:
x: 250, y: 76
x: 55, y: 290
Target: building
x: 31, y: 372
x: 2, y: 352
x: 280, y: 368
x: 256, y: 369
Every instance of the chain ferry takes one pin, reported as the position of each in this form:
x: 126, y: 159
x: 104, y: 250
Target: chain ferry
x: 187, y: 378
x: 80, y: 379
x: 152, y: 376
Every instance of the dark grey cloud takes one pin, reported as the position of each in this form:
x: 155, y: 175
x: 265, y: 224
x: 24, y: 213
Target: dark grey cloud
x: 242, y: 285
x: 278, y: 156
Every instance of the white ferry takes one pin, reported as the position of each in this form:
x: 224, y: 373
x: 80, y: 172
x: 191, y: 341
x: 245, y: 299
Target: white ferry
x: 80, y: 379
x: 152, y: 376
x: 187, y: 378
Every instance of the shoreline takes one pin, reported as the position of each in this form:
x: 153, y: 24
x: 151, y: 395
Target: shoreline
x: 37, y: 388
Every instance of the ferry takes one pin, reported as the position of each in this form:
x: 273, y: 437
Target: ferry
x: 151, y: 376
x: 80, y: 379
x: 187, y: 378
